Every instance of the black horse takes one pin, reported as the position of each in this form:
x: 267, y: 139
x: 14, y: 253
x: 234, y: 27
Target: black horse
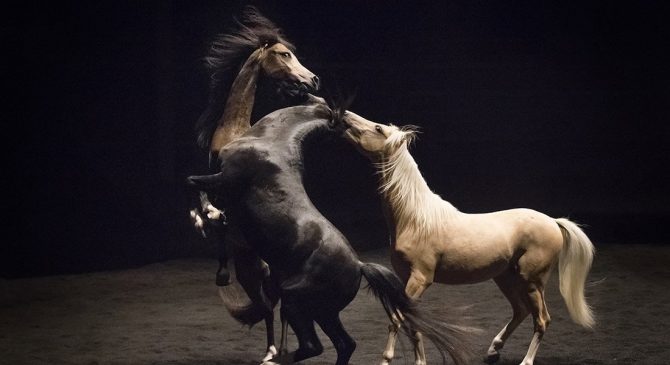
x: 318, y: 272
x: 253, y: 71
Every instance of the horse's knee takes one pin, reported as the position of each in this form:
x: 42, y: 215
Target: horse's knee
x: 541, y: 325
x: 547, y: 321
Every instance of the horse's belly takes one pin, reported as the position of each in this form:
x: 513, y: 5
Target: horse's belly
x: 464, y: 272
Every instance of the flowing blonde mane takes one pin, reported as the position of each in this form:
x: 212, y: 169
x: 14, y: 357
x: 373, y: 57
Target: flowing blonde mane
x: 414, y: 205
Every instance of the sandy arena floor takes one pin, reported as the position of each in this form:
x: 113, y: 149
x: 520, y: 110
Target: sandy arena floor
x: 169, y: 313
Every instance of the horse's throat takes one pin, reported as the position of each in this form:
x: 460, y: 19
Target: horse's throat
x: 236, y: 118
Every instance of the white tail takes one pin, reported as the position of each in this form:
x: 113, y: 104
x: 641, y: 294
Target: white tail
x: 574, y: 264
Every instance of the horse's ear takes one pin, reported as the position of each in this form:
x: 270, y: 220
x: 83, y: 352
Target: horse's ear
x: 411, y: 132
x: 207, y: 183
x: 338, y: 102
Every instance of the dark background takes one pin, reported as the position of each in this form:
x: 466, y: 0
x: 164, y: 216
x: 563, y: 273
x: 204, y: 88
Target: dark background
x: 557, y: 106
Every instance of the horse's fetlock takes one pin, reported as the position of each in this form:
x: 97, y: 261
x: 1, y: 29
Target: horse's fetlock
x: 418, y: 337
x: 387, y: 356
x: 497, y: 344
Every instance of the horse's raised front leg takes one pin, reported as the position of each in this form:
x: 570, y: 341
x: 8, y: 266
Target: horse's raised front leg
x: 212, y: 224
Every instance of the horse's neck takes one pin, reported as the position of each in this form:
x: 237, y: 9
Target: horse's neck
x: 236, y: 118
x: 269, y: 98
x: 300, y: 135
x: 408, y: 199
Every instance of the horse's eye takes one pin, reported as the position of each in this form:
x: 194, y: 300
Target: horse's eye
x: 378, y: 128
x: 286, y: 54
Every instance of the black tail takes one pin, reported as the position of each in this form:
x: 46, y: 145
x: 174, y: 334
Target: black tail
x: 450, y: 340
x: 240, y: 307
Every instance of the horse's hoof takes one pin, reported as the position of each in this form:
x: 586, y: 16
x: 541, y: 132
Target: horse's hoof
x: 198, y: 222
x: 492, y: 358
x: 223, y: 278
x: 272, y: 352
x: 280, y: 360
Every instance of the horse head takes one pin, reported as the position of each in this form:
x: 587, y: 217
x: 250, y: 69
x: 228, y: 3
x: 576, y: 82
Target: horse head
x: 237, y: 61
x: 278, y: 62
x: 375, y: 140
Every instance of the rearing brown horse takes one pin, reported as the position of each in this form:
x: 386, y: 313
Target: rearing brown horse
x: 256, y: 54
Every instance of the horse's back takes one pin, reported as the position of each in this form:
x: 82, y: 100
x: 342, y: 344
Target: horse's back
x: 513, y: 225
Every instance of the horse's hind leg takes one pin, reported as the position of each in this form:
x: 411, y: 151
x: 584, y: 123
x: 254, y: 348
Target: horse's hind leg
x: 541, y: 319
x: 283, y: 345
x: 344, y: 344
x: 270, y: 336
x: 253, y: 275
x: 308, y: 341
x: 513, y: 287
x: 535, y: 269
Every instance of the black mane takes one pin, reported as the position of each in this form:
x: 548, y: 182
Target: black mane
x: 338, y: 103
x: 226, y: 54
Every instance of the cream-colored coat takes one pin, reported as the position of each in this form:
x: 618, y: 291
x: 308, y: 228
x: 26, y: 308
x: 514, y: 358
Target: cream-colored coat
x: 434, y: 242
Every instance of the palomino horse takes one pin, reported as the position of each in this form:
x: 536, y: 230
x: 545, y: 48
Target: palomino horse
x: 434, y: 242
x: 262, y: 61
x: 318, y: 272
